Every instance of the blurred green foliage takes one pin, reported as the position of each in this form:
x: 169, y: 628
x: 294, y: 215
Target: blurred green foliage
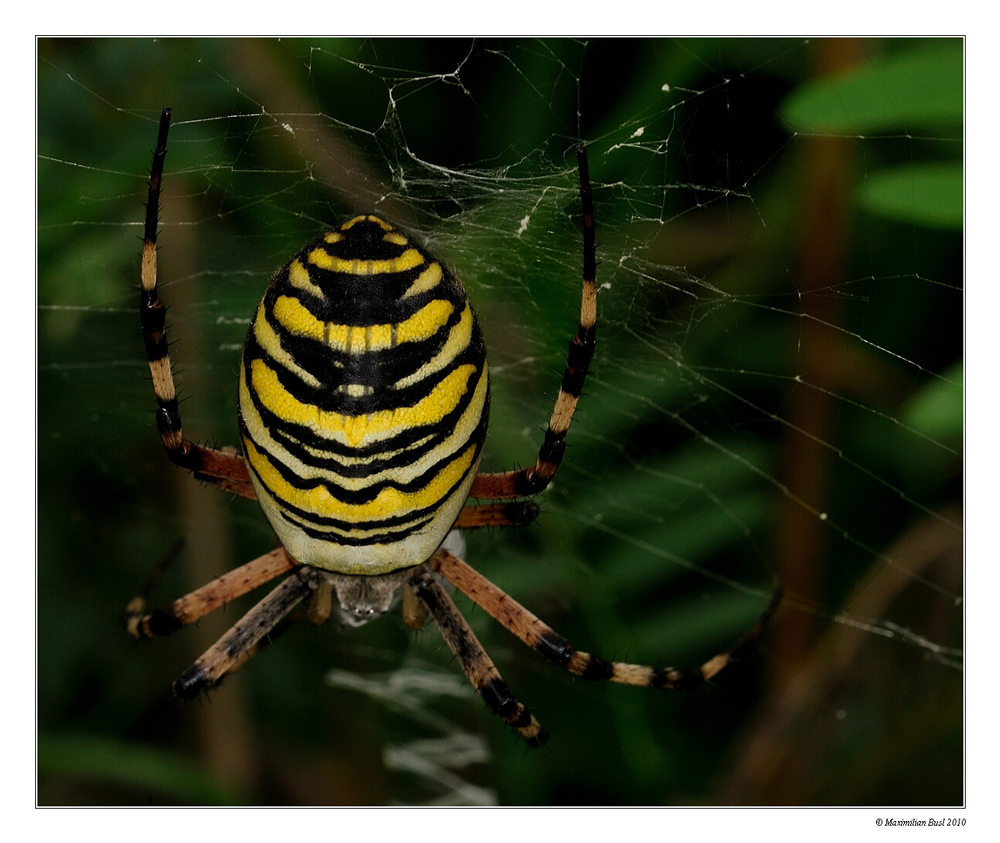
x: 658, y: 541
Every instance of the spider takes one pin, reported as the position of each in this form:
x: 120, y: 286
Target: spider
x: 363, y: 408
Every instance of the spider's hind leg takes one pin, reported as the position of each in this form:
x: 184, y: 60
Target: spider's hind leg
x: 216, y: 466
x: 536, y: 478
x: 514, y: 514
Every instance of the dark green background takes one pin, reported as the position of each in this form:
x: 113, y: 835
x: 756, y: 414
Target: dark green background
x: 683, y: 448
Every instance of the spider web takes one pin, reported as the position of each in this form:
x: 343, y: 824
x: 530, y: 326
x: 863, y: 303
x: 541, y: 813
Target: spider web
x: 776, y: 394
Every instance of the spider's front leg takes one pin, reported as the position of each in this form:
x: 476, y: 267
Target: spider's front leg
x: 143, y: 624
x: 556, y: 649
x: 476, y: 664
x: 247, y: 635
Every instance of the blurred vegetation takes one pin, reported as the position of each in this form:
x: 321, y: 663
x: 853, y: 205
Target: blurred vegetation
x: 777, y: 394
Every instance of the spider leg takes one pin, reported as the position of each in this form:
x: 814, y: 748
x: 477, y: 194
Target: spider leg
x: 246, y: 636
x: 476, y: 664
x: 515, y: 514
x: 542, y: 638
x: 414, y: 612
x: 218, y: 467
x: 204, y: 600
x: 535, y: 478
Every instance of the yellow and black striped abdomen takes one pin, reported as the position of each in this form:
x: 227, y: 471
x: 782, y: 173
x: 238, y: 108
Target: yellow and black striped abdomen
x: 364, y: 400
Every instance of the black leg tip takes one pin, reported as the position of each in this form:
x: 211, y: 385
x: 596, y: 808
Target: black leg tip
x: 192, y: 683
x: 538, y: 740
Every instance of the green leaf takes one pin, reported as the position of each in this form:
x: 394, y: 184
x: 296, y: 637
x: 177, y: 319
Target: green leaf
x: 919, y: 88
x: 937, y: 409
x: 683, y: 629
x: 136, y: 767
x: 925, y: 194
x: 636, y: 567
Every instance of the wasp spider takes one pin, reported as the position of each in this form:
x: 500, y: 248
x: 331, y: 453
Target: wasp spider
x: 363, y: 407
